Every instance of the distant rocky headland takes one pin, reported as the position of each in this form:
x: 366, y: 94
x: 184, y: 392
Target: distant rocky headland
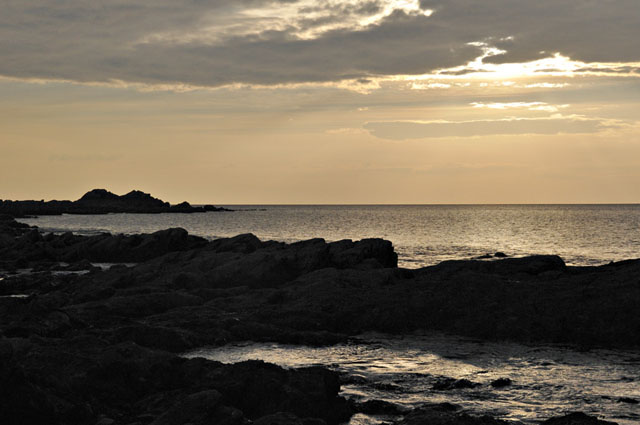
x: 101, y: 201
x: 80, y: 344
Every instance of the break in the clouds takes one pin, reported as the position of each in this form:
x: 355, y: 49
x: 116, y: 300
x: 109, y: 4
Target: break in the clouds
x: 531, y: 106
x: 402, y: 130
x: 270, y: 42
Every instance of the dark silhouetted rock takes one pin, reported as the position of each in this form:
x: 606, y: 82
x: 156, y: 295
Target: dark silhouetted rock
x: 446, y: 384
x: 99, y: 195
x: 101, y: 201
x: 22, y: 402
x: 379, y: 407
x: 100, y: 346
x: 30, y: 245
x: 577, y: 418
x: 183, y: 207
x: 282, y: 418
x: 245, y: 244
x: 201, y: 408
x: 501, y: 382
x: 258, y: 389
x: 346, y: 254
x: 437, y: 415
x: 532, y: 265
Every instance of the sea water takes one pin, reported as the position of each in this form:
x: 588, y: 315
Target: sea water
x: 547, y: 381
x: 422, y: 234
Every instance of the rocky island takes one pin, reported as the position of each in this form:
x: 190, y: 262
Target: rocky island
x: 81, y: 344
x: 101, y: 201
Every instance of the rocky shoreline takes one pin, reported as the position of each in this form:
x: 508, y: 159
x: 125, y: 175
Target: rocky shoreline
x: 101, y: 201
x: 83, y: 344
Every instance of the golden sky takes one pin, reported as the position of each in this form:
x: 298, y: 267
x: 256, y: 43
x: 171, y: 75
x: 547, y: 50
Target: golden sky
x: 381, y: 101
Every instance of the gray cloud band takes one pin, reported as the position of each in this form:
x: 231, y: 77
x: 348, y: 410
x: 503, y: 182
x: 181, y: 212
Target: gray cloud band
x: 216, y: 43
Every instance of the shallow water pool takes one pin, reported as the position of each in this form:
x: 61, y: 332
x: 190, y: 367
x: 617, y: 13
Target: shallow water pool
x: 547, y: 381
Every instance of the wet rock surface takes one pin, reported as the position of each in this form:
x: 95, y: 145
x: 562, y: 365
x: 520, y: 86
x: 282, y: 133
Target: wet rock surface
x: 446, y: 384
x: 577, y: 418
x: 446, y: 414
x: 101, y: 347
x: 501, y: 383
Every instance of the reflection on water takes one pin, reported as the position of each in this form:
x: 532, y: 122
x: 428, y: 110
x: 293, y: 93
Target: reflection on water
x: 107, y: 266
x: 422, y: 234
x: 547, y: 381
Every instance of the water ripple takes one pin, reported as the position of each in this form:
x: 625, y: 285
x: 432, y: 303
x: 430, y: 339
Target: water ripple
x: 547, y: 381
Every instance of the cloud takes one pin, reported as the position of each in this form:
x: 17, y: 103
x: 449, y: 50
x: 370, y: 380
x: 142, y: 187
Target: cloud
x: 346, y: 131
x: 586, y: 30
x: 269, y: 42
x: 532, y: 106
x: 401, y: 130
x: 546, y: 85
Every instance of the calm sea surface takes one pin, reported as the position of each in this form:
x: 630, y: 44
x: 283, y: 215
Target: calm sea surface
x: 422, y: 234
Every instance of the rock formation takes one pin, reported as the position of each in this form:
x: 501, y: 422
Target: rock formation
x: 101, y: 201
x: 94, y: 346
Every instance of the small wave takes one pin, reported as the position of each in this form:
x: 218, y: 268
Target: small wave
x: 546, y: 381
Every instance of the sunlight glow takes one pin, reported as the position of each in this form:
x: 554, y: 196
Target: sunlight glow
x: 532, y: 106
x: 556, y: 65
x: 328, y: 16
x: 304, y: 19
x: 482, y: 74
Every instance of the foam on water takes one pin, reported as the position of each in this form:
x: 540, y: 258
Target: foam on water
x: 547, y: 381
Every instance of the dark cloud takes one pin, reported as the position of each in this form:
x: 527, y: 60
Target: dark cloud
x: 364, y: 8
x: 153, y: 41
x: 335, y: 14
x: 587, y: 30
x: 625, y: 70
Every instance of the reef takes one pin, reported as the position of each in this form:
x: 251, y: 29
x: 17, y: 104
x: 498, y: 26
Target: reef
x: 101, y: 201
x: 85, y: 343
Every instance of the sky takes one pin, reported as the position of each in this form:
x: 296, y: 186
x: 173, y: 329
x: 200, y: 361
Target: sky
x: 315, y: 102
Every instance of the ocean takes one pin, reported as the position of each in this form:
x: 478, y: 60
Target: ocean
x: 421, y: 234
x: 546, y: 380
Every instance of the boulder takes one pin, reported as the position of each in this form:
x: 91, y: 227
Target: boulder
x: 244, y: 244
x: 501, y: 383
x: 129, y: 248
x: 347, y: 254
x: 259, y: 389
x: 532, y: 265
x: 443, y: 414
x: 447, y: 384
x: 283, y: 418
x: 202, y: 408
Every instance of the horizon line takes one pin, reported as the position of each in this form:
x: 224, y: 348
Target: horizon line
x: 417, y: 204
